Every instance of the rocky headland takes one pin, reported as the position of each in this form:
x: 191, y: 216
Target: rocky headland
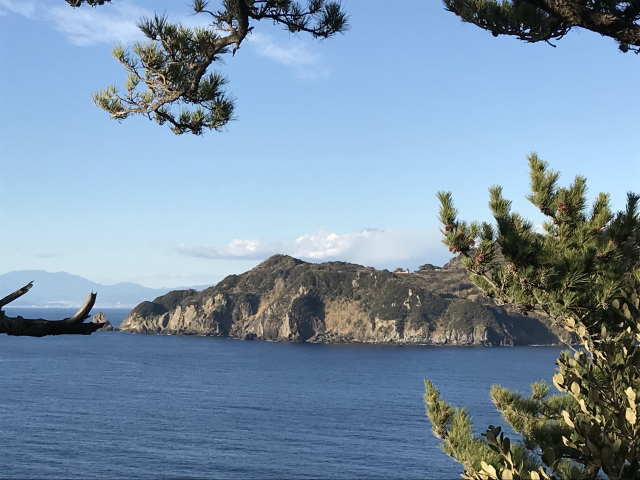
x: 286, y: 299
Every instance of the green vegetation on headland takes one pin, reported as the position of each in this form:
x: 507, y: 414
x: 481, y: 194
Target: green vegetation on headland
x: 286, y: 299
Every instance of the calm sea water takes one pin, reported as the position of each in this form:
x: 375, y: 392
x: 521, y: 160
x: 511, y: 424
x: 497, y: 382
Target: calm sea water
x: 114, y: 405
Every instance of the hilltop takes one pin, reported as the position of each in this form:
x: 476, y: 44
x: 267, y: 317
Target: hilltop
x: 287, y: 299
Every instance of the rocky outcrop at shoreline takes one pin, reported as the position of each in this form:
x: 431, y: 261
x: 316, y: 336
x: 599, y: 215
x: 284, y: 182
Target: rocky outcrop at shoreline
x: 286, y: 299
x: 102, y: 318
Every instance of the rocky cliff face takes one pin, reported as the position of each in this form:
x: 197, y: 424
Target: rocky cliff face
x: 286, y: 299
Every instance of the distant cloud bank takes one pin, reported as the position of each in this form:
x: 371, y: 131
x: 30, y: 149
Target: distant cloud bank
x: 373, y: 247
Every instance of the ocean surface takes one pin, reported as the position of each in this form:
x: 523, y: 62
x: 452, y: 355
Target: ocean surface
x: 115, y: 405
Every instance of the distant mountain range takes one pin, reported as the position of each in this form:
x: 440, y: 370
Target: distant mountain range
x: 61, y: 289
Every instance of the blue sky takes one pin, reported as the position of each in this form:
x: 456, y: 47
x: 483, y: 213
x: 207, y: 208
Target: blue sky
x: 337, y: 152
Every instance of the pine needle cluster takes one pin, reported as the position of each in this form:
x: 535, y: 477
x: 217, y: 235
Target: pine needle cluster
x: 583, y: 271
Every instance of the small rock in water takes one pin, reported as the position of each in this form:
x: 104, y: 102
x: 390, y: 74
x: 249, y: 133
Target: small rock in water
x: 101, y: 318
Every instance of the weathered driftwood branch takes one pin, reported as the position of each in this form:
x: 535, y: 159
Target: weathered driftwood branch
x: 39, y: 327
x: 18, y: 293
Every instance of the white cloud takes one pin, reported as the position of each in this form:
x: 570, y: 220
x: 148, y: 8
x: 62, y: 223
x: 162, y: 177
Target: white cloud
x: 295, y: 53
x: 234, y: 250
x: 325, y: 245
x: 115, y: 23
x: 369, y: 247
x: 84, y: 26
x: 19, y: 7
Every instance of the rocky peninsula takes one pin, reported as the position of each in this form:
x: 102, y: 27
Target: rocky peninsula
x: 286, y: 299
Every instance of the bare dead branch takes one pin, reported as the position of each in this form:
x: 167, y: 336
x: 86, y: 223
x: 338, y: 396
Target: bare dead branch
x: 83, y: 311
x: 17, y: 294
x: 39, y: 327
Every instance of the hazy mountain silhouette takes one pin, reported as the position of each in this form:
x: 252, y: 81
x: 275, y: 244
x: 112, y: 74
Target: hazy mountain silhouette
x: 61, y: 289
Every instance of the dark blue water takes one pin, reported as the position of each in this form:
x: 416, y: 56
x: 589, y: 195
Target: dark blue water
x: 114, y: 405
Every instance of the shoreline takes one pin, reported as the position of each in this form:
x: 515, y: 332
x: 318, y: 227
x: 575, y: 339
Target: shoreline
x: 347, y: 343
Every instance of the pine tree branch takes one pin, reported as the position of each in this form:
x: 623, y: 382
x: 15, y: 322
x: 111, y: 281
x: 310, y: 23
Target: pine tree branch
x: 168, y: 77
x: 544, y: 20
x: 584, y: 273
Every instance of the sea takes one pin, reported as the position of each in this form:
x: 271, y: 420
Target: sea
x: 118, y: 406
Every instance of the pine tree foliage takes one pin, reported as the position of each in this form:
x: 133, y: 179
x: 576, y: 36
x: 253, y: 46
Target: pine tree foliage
x: 545, y: 20
x: 584, y: 273
x: 168, y: 76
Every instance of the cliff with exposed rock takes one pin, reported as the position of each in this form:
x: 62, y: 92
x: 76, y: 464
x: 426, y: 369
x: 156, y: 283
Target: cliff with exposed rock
x: 286, y: 299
